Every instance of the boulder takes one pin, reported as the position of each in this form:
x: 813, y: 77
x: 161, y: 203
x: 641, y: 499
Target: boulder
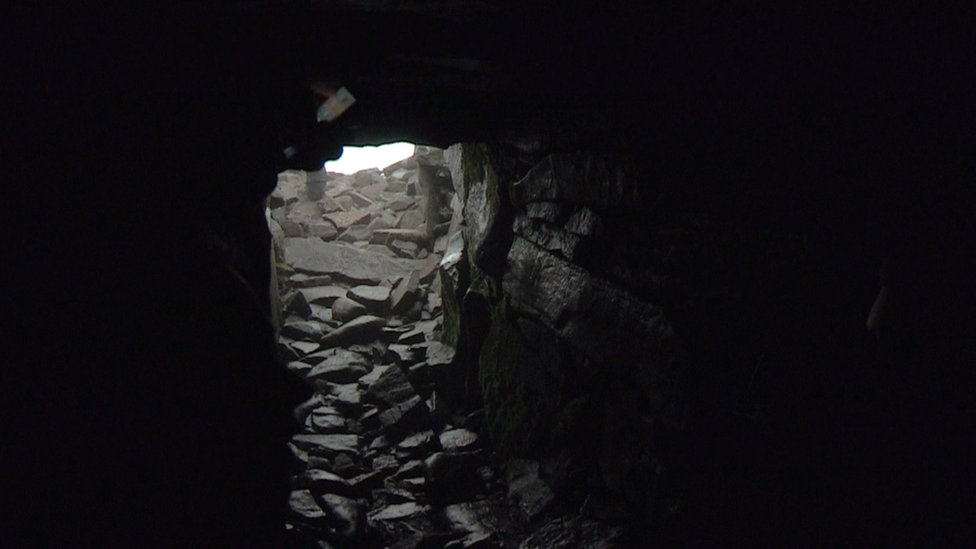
x: 410, y: 416
x: 295, y: 328
x: 345, y: 309
x: 458, y: 439
x: 303, y: 504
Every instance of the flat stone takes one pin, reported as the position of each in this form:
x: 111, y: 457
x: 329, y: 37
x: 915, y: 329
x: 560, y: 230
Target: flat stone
x: 400, y: 511
x: 364, y: 329
x: 381, y: 249
x: 411, y: 469
x: 329, y: 204
x: 344, y: 220
x: 404, y: 293
x: 349, y: 399
x: 401, y: 202
x: 429, y: 267
x: 323, y: 295
x: 345, y: 517
x: 416, y: 446
x: 327, y: 443
x: 391, y: 388
x: 412, y: 219
x: 303, y: 329
x: 327, y: 424
x: 404, y: 354
x: 344, y: 262
x: 320, y: 481
x: 409, y: 416
x: 375, y: 191
x: 345, y: 309
x: 412, y: 337
x: 385, y: 463
x: 305, y: 347
x: 374, y: 298
x: 439, y: 354
x: 356, y: 234
x: 343, y: 367
x: 302, y: 280
x: 584, y: 222
x: 321, y: 228
x: 410, y: 235
x: 374, y: 375
x: 458, y: 439
x: 404, y: 248
x: 470, y: 518
x: 303, y: 504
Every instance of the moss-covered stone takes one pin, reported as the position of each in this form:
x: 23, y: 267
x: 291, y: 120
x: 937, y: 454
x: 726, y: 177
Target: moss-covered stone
x: 524, y: 386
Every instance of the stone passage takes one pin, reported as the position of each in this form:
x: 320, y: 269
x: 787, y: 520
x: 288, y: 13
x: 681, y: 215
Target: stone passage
x: 383, y: 460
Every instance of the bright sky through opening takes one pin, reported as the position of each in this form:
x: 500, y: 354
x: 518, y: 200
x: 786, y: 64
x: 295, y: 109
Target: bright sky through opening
x: 354, y: 159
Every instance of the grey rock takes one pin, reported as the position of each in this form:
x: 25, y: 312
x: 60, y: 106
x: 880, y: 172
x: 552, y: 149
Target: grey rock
x: 385, y: 463
x: 364, y: 329
x: 327, y: 445
x: 404, y: 354
x: 470, y: 517
x: 302, y: 280
x: 359, y: 200
x: 323, y: 295
x: 391, y: 388
x: 376, y: 299
x: 382, y: 250
x: 323, y: 314
x: 429, y: 268
x: 349, y: 399
x: 458, y: 439
x: 345, y: 518
x: 484, y: 540
x: 320, y: 481
x: 303, y: 329
x: 395, y: 512
x: 344, y: 220
x: 344, y: 262
x: 345, y: 309
x: 574, y: 532
x: 454, y: 476
x: 585, y: 222
x: 329, y: 204
x: 404, y: 248
x: 299, y: 305
x: 412, y: 219
x: 386, y: 236
x: 412, y: 337
x: 303, y: 504
x: 532, y: 493
x: 373, y: 376
x: 401, y: 202
x: 321, y: 228
x: 411, y: 469
x: 598, y: 180
x: 417, y: 445
x: 550, y: 212
x: 375, y: 191
x: 547, y: 236
x: 439, y: 354
x: 404, y: 293
x: 410, y: 416
x: 355, y: 234
x: 327, y: 423
x: 305, y: 347
x: 343, y: 367
x: 602, y: 321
